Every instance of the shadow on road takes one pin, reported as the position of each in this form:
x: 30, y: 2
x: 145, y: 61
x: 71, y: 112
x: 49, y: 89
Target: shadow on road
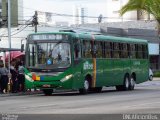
x: 112, y: 90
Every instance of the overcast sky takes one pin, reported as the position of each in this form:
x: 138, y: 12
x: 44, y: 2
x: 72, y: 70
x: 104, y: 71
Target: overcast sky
x: 95, y: 7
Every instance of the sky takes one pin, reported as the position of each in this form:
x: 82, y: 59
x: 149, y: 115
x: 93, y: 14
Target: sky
x: 94, y: 7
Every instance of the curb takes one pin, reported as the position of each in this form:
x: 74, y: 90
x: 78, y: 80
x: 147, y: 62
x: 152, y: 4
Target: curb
x: 21, y: 93
x: 156, y: 78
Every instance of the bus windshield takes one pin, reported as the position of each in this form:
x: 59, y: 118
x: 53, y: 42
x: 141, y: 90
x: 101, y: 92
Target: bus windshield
x: 49, y: 55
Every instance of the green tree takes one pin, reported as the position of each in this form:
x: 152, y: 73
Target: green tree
x: 150, y: 6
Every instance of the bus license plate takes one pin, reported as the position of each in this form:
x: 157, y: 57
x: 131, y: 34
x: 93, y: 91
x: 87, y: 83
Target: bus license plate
x: 46, y: 86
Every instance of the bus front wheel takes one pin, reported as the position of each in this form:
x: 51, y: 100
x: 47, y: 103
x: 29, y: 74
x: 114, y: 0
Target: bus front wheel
x: 48, y: 91
x: 85, y: 88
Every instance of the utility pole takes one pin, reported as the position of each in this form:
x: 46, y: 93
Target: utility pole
x: 9, y: 32
x: 35, y: 20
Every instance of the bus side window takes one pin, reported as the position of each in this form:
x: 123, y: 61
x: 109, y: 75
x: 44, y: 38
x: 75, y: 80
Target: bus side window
x: 77, y: 49
x: 108, y: 49
x: 121, y: 55
x: 133, y: 51
x: 129, y: 50
x: 87, y: 49
x: 136, y: 49
x: 125, y: 50
x: 140, y: 53
x: 116, y: 50
x: 98, y: 49
x: 145, y: 51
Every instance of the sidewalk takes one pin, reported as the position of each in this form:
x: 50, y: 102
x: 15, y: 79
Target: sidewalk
x: 156, y: 78
x: 21, y: 93
x: 40, y: 92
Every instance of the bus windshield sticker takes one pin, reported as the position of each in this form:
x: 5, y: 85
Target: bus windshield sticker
x: 87, y: 66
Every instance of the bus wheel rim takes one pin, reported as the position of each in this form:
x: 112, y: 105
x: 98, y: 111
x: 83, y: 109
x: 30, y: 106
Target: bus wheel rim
x: 127, y: 82
x: 132, y: 82
x: 86, y: 85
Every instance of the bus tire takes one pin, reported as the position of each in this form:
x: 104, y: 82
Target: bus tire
x: 126, y: 83
x: 132, y: 83
x: 85, y: 88
x: 48, y: 91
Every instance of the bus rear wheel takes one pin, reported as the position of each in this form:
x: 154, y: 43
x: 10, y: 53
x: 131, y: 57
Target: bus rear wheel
x: 85, y: 88
x: 125, y: 85
x: 131, y: 83
x: 48, y: 91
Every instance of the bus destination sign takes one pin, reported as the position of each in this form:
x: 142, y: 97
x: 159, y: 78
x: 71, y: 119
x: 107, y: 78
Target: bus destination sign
x: 49, y: 37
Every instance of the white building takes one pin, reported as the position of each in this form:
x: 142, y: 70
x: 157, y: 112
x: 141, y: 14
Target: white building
x: 0, y: 9
x: 113, y: 7
x: 80, y: 15
x: 20, y: 12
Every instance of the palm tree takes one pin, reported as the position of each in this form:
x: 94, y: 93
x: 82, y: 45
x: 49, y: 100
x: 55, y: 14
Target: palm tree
x: 150, y: 6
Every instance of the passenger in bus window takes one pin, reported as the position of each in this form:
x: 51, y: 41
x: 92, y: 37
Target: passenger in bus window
x: 59, y: 57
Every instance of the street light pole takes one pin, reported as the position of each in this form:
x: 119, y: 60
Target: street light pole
x: 9, y: 32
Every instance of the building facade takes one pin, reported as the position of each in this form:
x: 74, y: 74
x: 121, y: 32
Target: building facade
x: 80, y: 15
x: 0, y: 12
x: 113, y: 12
x: 16, y: 12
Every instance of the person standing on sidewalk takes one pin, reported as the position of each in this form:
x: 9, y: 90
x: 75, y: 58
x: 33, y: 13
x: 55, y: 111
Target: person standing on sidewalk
x: 14, y: 77
x: 4, y: 78
x: 21, y: 78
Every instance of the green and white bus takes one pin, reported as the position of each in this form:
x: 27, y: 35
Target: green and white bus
x: 84, y: 62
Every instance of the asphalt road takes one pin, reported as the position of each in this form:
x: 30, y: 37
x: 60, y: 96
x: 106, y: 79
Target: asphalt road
x: 145, y: 99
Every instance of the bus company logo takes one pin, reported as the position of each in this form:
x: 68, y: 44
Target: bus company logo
x: 87, y: 66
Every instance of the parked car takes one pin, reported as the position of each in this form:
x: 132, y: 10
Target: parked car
x: 150, y: 74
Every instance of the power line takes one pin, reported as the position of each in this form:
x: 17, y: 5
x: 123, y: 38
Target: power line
x: 20, y: 30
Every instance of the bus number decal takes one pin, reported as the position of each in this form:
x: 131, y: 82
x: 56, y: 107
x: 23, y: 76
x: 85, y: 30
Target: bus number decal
x: 87, y: 66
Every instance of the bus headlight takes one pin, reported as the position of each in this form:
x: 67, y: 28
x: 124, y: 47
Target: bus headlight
x: 66, y: 78
x: 29, y: 78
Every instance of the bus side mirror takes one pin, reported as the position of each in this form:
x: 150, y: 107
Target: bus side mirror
x: 22, y: 47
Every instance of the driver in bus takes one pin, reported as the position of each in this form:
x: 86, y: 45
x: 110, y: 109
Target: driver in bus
x: 59, y: 57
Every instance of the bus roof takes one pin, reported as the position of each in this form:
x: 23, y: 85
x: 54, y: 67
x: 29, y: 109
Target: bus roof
x: 99, y: 37
x: 113, y: 38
